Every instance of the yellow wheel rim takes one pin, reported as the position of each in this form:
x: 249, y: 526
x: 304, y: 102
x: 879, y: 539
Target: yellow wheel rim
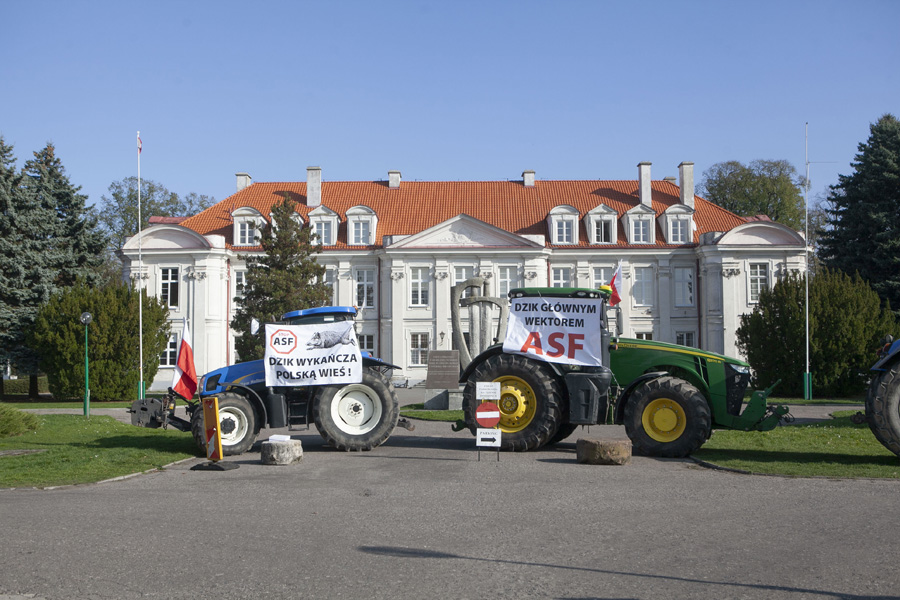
x: 664, y: 420
x: 517, y: 404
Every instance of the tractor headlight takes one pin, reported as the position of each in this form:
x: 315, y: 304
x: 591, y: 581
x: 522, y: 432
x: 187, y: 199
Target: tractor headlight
x: 742, y: 369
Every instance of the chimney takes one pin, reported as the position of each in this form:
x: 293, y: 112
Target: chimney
x: 644, y: 183
x: 313, y: 186
x: 528, y: 178
x: 686, y: 183
x: 243, y: 180
x: 393, y: 179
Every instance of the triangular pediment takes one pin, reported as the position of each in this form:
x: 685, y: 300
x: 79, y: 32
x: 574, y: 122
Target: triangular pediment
x: 463, y: 231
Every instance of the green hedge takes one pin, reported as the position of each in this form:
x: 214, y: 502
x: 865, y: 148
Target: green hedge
x: 19, y: 387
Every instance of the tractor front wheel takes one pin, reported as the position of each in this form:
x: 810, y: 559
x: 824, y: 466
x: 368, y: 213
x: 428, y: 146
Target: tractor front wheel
x: 667, y: 417
x: 357, y: 416
x: 530, y: 400
x: 883, y: 409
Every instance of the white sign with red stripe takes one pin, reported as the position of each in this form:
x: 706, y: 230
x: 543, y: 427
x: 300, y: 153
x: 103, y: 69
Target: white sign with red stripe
x: 487, y: 414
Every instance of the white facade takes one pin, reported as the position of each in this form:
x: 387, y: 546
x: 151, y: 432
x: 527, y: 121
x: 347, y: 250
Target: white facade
x: 690, y: 292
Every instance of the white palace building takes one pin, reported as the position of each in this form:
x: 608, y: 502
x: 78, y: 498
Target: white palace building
x: 394, y: 248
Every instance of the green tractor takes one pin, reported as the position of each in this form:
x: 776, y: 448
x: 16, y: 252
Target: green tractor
x: 670, y: 398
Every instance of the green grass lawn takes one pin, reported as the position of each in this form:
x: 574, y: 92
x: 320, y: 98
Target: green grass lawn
x: 75, y: 449
x: 835, y: 448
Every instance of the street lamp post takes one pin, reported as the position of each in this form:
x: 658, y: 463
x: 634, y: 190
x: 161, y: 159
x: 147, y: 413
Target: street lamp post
x: 86, y: 320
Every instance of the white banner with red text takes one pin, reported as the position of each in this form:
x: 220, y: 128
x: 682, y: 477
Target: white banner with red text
x: 318, y: 354
x: 560, y: 330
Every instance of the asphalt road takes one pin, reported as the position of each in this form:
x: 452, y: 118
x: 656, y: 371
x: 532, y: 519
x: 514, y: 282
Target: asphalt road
x: 422, y: 517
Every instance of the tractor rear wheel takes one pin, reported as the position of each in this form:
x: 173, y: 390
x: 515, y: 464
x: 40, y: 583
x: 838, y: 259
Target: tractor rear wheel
x: 238, y: 424
x: 357, y: 416
x: 667, y: 417
x: 530, y: 400
x: 883, y: 408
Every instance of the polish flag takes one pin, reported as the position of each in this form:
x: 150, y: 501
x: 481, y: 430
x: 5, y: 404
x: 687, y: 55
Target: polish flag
x: 139, y: 142
x: 184, y: 382
x: 615, y: 283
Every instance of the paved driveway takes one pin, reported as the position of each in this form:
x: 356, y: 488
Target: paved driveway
x: 421, y: 517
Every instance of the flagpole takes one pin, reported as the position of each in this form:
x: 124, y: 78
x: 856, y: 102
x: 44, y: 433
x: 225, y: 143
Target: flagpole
x: 807, y: 376
x: 140, y: 274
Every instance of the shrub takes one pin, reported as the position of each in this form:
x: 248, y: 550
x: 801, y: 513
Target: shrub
x: 16, y: 422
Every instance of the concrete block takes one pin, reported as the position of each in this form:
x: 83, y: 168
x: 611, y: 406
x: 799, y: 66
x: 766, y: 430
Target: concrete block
x: 603, y: 452
x: 440, y: 399
x: 281, y: 452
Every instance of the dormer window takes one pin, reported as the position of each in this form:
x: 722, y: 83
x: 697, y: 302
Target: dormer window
x: 640, y: 231
x: 601, y: 225
x: 248, y: 224
x: 294, y: 217
x: 563, y: 223
x: 361, y: 223
x: 324, y: 223
x: 677, y: 222
x: 639, y: 225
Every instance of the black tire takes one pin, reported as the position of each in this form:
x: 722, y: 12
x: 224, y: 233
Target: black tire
x: 667, y: 417
x: 883, y: 409
x: 357, y: 416
x: 238, y: 425
x: 530, y: 400
x: 564, y: 431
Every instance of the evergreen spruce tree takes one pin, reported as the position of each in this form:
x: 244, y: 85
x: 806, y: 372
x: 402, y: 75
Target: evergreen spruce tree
x: 283, y: 278
x: 113, y: 346
x: 10, y: 181
x: 74, y: 238
x: 49, y: 239
x: 864, y: 233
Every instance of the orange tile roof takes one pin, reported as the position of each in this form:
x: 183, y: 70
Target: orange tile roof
x: 418, y: 205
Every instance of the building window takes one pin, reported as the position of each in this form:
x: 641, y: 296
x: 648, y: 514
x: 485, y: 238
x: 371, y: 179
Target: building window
x: 562, y: 277
x: 361, y: 233
x: 169, y: 356
x: 365, y: 289
x: 367, y: 343
x: 240, y: 282
x: 169, y: 287
x: 679, y: 231
x: 418, y: 349
x: 418, y: 286
x: 685, y: 338
x: 684, y: 286
x: 564, y: 231
x: 642, y: 289
x: 603, y: 231
x: 323, y: 231
x: 759, y: 280
x: 508, y: 280
x: 602, y: 275
x: 461, y: 274
x: 640, y: 231
x: 644, y: 335
x: 329, y: 281
x: 247, y: 232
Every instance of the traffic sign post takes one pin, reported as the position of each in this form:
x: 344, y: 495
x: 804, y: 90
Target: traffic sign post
x: 487, y: 415
x: 213, y: 438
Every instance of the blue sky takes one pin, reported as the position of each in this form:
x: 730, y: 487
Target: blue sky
x: 441, y: 90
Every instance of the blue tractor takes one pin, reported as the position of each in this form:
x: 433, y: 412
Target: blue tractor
x: 352, y: 417
x: 883, y: 397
